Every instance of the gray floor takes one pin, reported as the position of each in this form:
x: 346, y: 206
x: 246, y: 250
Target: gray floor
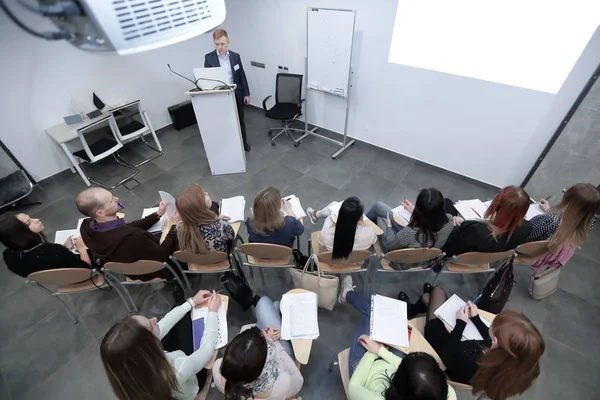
x: 44, y: 355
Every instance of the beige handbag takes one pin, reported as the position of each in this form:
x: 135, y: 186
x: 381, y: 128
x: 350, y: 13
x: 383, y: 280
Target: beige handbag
x: 543, y: 284
x: 325, y: 286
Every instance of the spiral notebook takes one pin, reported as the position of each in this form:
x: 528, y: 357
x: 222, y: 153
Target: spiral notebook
x: 389, y: 321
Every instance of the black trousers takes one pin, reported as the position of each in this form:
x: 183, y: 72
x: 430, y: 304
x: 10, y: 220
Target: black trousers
x: 449, y: 206
x: 239, y: 100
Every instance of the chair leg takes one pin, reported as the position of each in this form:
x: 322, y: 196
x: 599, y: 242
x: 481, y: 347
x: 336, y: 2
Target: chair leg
x: 281, y: 132
x: 177, y: 278
x: 119, y: 289
x: 66, y: 307
x: 117, y: 184
x: 185, y: 279
x: 116, y: 282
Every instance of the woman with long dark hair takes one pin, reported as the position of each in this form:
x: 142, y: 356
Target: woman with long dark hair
x: 27, y: 250
x: 429, y: 225
x: 137, y: 365
x: 503, y: 228
x: 504, y: 364
x: 348, y: 233
x: 256, y: 366
x: 378, y: 373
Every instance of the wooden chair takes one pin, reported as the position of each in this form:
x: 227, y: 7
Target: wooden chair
x: 208, y: 263
x: 264, y: 255
x: 342, y: 362
x: 141, y: 267
x: 529, y: 253
x: 352, y: 264
x: 473, y: 263
x: 69, y: 281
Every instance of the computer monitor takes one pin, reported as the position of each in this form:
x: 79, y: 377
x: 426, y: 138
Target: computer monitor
x: 212, y: 77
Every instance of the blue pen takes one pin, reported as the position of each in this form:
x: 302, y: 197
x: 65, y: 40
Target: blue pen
x: 476, y: 299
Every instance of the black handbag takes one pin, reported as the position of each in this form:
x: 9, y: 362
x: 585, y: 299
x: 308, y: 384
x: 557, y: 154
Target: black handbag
x: 299, y: 259
x: 237, y: 287
x: 496, y: 292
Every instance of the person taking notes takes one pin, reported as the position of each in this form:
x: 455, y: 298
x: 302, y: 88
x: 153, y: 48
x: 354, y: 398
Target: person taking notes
x: 223, y: 57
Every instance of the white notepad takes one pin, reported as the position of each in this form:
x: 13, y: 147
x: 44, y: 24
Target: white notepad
x: 61, y: 236
x: 447, y: 313
x: 403, y: 212
x: 471, y: 209
x: 170, y: 200
x: 534, y: 209
x: 389, y: 321
x: 202, y: 312
x: 157, y: 227
x: 233, y: 208
x: 296, y: 206
x: 299, y: 316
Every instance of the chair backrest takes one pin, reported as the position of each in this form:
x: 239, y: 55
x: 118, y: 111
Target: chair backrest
x: 81, y: 132
x: 131, y: 109
x: 140, y: 267
x: 211, y: 257
x: 476, y: 258
x: 533, y: 249
x: 355, y: 257
x: 288, y: 88
x: 265, y: 250
x: 61, y: 276
x: 410, y: 256
x: 343, y: 361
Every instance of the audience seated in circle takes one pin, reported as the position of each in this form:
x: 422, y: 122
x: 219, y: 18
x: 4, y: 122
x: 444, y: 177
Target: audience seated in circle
x: 503, y: 230
x: 504, y: 364
x: 199, y: 228
x: 349, y: 232
x: 110, y: 238
x: 378, y: 372
x: 27, y: 250
x: 268, y: 224
x: 429, y: 226
x: 137, y: 365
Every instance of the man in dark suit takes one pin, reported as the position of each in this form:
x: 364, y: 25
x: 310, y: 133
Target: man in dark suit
x: 223, y: 57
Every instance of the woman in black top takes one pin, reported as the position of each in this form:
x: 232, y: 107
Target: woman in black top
x: 27, y: 250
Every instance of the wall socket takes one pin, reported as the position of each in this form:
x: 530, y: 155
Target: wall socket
x: 257, y: 64
x: 283, y: 68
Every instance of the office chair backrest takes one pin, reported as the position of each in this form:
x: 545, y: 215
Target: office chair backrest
x: 534, y: 249
x: 266, y: 250
x: 475, y: 258
x: 289, y: 88
x: 409, y: 256
x: 61, y: 276
x: 105, y: 152
x: 140, y: 267
x: 211, y: 257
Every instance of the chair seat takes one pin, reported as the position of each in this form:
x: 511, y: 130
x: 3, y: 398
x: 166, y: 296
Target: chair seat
x: 102, y: 145
x: 98, y: 280
x: 284, y: 111
x: 467, y: 268
x: 269, y: 261
x: 131, y: 127
x: 222, y: 266
x: 14, y: 187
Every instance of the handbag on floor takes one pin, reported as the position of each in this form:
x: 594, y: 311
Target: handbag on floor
x: 237, y: 287
x: 325, y: 286
x: 496, y: 292
x: 543, y: 284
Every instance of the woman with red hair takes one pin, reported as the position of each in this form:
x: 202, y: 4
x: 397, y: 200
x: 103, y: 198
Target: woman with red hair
x: 503, y: 228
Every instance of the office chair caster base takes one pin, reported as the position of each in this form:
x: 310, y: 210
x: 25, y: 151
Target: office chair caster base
x: 296, y: 144
x: 270, y: 133
x: 273, y: 144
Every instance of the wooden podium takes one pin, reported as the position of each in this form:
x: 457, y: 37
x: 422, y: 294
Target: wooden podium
x: 218, y: 122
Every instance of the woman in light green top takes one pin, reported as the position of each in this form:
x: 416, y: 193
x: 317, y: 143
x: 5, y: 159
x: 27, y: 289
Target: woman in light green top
x: 382, y: 375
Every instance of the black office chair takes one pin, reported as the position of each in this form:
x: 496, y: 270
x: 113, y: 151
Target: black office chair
x: 288, y: 105
x: 13, y: 188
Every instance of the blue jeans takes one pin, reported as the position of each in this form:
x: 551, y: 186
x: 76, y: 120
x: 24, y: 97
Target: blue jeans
x: 357, y: 351
x: 267, y: 314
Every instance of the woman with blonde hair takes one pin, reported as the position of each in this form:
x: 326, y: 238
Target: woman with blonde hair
x: 567, y: 223
x: 503, y: 228
x: 199, y: 229
x: 269, y: 224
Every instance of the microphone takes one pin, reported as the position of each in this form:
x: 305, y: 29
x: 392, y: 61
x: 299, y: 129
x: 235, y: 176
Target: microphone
x: 187, y: 79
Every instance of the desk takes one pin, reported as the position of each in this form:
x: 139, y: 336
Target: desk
x: 301, y: 346
x: 225, y: 300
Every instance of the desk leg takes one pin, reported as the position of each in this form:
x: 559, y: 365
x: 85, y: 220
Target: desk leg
x: 75, y: 164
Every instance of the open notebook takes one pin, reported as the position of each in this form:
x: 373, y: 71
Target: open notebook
x: 233, y: 208
x: 296, y: 206
x: 389, y: 322
x: 471, y: 209
x: 447, y: 313
x: 199, y: 315
x: 403, y: 212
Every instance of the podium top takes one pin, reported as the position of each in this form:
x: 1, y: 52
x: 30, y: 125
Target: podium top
x: 195, y: 91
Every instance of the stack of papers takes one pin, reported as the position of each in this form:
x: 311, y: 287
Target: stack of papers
x: 403, y: 212
x: 198, y: 327
x: 534, y: 209
x: 296, y: 206
x: 233, y: 208
x: 447, y: 313
x: 389, y: 321
x: 299, y: 316
x: 471, y: 209
x: 157, y: 227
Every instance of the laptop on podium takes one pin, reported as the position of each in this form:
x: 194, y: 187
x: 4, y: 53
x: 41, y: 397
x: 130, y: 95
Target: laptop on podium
x: 212, y: 78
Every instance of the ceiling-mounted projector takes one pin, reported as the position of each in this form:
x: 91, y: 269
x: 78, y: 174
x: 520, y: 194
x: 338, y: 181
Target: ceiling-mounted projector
x: 123, y: 26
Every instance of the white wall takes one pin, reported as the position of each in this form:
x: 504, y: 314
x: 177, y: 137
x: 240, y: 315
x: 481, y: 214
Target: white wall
x: 38, y: 80
x: 480, y: 129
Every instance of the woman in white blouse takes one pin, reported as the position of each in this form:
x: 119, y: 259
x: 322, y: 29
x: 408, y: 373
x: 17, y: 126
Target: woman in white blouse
x: 137, y: 365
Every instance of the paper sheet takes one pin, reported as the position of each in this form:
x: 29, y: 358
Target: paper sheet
x: 403, y: 212
x: 534, y: 209
x: 299, y: 316
x: 447, y: 313
x: 157, y: 227
x: 389, y: 322
x: 233, y: 208
x: 202, y: 312
x: 471, y: 209
x: 170, y: 200
x: 296, y: 206
x: 62, y: 236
